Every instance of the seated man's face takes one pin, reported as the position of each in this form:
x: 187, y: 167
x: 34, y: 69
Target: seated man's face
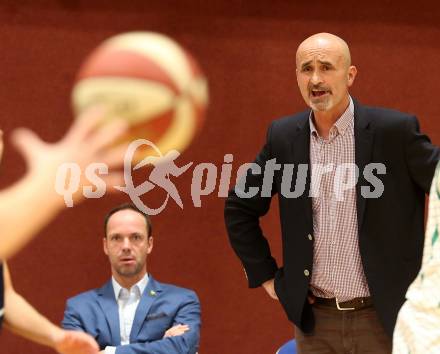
x: 127, y: 243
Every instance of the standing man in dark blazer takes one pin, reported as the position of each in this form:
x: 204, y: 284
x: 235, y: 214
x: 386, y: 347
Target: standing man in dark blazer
x: 351, y: 183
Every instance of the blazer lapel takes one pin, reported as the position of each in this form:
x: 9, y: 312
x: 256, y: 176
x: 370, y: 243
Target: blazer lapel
x: 363, y: 137
x: 301, y: 155
x: 108, y: 304
x: 151, y: 293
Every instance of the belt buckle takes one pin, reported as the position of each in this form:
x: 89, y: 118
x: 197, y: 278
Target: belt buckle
x: 343, y: 308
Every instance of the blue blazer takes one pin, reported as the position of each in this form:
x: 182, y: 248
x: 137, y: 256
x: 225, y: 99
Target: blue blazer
x: 161, y: 307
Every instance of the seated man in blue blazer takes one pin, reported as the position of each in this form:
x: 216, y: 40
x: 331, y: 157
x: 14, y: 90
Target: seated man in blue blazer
x: 133, y: 313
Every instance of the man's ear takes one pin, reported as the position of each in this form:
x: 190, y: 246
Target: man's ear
x: 150, y: 244
x: 352, y: 72
x: 104, y: 245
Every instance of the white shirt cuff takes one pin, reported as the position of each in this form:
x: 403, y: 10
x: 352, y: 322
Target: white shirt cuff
x: 110, y: 350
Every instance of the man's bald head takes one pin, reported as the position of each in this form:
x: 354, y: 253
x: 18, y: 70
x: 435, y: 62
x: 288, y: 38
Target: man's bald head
x: 324, y: 73
x: 325, y: 41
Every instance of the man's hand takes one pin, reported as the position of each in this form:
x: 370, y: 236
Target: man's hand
x: 270, y: 288
x: 88, y: 140
x: 73, y: 342
x: 177, y: 330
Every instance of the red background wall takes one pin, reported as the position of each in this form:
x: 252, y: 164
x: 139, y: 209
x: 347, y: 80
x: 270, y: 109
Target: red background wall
x: 247, y: 51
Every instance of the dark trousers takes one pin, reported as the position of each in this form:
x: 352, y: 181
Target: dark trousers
x: 344, y: 332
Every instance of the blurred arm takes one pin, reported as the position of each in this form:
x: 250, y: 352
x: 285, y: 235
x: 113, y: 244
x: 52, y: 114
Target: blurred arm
x: 32, y: 202
x: 22, y: 319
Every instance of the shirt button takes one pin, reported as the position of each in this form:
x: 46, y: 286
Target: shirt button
x: 306, y: 272
x: 310, y: 237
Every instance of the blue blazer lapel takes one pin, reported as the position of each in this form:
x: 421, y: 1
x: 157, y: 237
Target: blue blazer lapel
x: 108, y: 304
x: 151, y: 293
x: 363, y: 137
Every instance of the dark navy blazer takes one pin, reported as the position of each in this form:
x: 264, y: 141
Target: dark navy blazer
x: 391, y: 227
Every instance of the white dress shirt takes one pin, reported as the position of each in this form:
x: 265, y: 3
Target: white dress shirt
x: 128, y: 301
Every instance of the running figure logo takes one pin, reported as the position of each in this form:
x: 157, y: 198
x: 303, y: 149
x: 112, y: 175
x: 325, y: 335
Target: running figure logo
x: 163, y: 168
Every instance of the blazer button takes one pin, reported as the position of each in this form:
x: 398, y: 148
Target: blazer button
x: 310, y: 237
x: 306, y: 272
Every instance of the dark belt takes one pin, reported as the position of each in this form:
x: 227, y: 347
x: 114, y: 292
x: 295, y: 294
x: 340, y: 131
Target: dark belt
x: 357, y: 303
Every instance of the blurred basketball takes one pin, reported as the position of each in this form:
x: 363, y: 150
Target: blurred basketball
x: 149, y: 80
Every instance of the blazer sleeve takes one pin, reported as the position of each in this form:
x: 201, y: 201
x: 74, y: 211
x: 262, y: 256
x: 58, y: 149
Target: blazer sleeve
x: 188, y: 343
x: 242, y: 215
x: 421, y: 155
x: 71, y: 319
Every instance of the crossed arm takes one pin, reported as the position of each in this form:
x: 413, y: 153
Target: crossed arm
x: 186, y: 343
x: 182, y: 338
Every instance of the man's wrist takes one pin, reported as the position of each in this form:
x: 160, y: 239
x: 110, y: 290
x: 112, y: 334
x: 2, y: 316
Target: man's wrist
x: 56, y: 336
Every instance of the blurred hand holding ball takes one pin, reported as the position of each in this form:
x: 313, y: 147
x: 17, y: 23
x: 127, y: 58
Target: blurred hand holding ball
x: 149, y: 80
